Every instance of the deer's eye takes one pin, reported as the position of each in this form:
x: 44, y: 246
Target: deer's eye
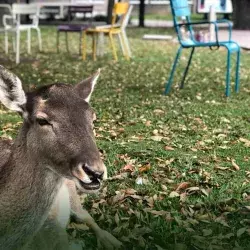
x: 42, y: 122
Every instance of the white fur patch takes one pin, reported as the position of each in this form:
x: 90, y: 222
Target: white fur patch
x: 63, y: 205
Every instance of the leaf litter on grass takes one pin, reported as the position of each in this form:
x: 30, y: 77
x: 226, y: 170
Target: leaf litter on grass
x: 189, y: 150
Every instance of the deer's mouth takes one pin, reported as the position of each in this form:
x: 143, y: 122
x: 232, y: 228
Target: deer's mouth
x: 87, y: 179
x: 93, y: 185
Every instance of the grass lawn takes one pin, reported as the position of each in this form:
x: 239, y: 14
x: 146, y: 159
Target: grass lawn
x: 179, y: 164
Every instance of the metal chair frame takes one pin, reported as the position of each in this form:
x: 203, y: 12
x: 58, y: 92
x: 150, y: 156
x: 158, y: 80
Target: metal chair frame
x: 120, y: 10
x: 79, y: 28
x: 180, y: 9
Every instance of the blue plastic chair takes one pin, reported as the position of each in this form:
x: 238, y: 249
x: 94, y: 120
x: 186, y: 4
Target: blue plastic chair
x: 181, y: 9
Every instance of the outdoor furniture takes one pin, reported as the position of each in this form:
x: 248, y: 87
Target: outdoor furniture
x: 12, y: 24
x: 73, y: 9
x: 180, y: 9
x: 123, y: 11
x: 6, y: 8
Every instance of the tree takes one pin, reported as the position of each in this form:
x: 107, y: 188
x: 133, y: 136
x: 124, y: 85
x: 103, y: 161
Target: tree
x: 241, y: 15
x: 142, y: 13
x: 109, y: 11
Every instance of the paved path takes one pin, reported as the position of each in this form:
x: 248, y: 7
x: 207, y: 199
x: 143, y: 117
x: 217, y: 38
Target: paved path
x: 162, y: 23
x: 242, y: 37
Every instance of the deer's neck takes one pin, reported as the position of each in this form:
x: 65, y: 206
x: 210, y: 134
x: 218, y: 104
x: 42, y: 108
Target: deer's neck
x: 27, y: 192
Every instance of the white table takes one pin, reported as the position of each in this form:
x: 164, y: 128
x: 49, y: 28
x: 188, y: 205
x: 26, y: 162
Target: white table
x: 62, y: 5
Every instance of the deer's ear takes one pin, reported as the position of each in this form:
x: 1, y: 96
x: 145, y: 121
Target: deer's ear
x: 86, y: 87
x: 11, y: 92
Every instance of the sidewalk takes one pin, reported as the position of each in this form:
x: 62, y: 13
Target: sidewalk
x: 242, y: 37
x: 165, y: 23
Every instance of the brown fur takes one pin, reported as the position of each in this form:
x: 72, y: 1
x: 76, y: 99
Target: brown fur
x: 55, y: 142
x: 56, y: 138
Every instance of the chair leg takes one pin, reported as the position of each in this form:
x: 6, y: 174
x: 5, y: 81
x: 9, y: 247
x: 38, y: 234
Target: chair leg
x: 94, y: 46
x: 14, y: 41
x: 113, y: 47
x: 237, y: 77
x: 228, y: 73
x: 187, y: 68
x: 80, y: 44
x: 6, y: 40
x: 29, y: 41
x: 169, y: 83
x: 17, y: 46
x: 66, y: 39
x: 39, y: 36
x: 100, y: 44
x: 121, y: 43
x: 58, y: 41
x: 84, y: 45
x: 127, y: 43
x: 126, y: 53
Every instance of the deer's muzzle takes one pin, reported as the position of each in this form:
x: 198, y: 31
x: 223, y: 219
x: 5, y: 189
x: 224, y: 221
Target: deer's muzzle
x: 87, y: 177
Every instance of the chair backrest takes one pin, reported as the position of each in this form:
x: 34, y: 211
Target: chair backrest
x: 119, y: 10
x: 180, y: 8
x: 7, y: 7
x: 126, y: 17
x: 80, y: 9
x: 25, y: 9
x: 83, y: 9
x: 19, y: 9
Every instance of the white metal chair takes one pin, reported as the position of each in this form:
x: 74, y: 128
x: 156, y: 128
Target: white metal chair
x: 12, y: 24
x: 6, y: 8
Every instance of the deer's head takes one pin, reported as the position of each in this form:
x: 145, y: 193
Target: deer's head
x: 58, y: 127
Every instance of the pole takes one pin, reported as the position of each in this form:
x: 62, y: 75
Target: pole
x: 212, y: 18
x: 142, y: 13
x: 109, y: 11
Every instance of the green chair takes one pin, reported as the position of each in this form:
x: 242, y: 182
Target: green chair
x: 181, y: 9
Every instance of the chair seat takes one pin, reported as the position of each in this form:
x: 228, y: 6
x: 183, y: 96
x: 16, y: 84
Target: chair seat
x: 104, y: 30
x: 230, y: 45
x: 26, y: 26
x: 72, y: 27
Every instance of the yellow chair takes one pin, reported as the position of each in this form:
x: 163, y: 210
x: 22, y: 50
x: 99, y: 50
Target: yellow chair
x: 120, y: 10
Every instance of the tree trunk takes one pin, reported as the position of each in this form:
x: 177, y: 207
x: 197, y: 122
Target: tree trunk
x: 110, y: 10
x: 142, y: 13
x: 241, y: 17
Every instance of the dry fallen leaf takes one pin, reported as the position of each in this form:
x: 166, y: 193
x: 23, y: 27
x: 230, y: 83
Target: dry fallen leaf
x: 168, y: 148
x: 164, y: 188
x: 128, y: 167
x: 174, y: 194
x: 141, y: 181
x: 130, y: 191
x: 145, y: 168
x: 118, y: 197
x: 156, y: 138
x: 221, y: 168
x: 247, y: 142
x: 236, y: 167
x: 182, y: 186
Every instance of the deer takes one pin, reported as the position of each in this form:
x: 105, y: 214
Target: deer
x: 53, y: 157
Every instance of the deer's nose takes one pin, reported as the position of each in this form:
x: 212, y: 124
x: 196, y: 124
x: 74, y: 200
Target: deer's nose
x: 92, y: 173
